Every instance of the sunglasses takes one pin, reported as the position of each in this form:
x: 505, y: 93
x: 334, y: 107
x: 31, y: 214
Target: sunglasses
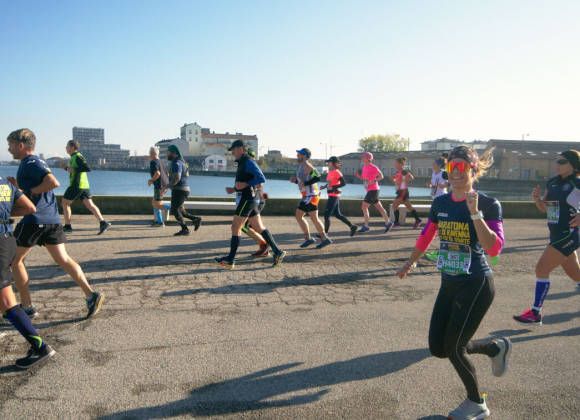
x: 562, y: 161
x: 460, y: 166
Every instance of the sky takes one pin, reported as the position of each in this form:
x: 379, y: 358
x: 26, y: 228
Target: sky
x: 320, y: 74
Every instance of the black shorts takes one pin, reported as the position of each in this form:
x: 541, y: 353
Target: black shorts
x: 307, y: 207
x: 403, y: 194
x: 72, y: 193
x: 567, y: 243
x: 7, y: 252
x: 372, y: 197
x: 157, y: 194
x: 248, y: 208
x: 27, y: 235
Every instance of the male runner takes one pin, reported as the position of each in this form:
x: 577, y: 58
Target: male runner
x: 79, y: 188
x: 306, y: 177
x: 14, y: 203
x: 42, y: 228
x: 248, y: 178
x: 179, y: 185
x: 158, y: 178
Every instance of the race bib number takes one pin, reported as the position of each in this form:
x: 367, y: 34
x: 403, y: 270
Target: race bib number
x: 454, y: 258
x: 553, y: 211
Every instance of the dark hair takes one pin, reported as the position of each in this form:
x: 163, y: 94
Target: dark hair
x: 24, y: 136
x: 401, y: 160
x: 74, y: 144
x: 480, y: 165
x: 572, y: 156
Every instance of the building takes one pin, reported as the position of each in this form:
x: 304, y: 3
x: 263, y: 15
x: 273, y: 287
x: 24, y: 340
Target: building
x: 138, y: 162
x: 214, y: 163
x: 96, y: 151
x: 444, y: 144
x: 165, y: 143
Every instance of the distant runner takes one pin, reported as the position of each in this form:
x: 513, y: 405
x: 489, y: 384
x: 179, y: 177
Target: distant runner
x: 335, y: 183
x: 159, y: 179
x: 371, y: 175
x: 401, y: 179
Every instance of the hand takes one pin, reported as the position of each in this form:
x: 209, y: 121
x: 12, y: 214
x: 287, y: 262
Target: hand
x: 406, y: 269
x: 536, y: 196
x: 149, y: 183
x: 12, y: 180
x: 301, y: 184
x: 240, y: 185
x: 293, y: 179
x: 230, y: 190
x: 471, y: 200
x: 575, y: 221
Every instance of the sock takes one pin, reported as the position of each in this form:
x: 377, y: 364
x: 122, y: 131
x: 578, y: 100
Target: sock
x: 326, y: 225
x: 270, y: 240
x: 159, y: 216
x: 415, y: 215
x: 21, y: 322
x: 397, y: 216
x: 542, y: 287
x: 234, y: 243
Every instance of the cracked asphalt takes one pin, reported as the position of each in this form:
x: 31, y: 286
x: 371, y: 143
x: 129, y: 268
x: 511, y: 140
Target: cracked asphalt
x: 332, y: 333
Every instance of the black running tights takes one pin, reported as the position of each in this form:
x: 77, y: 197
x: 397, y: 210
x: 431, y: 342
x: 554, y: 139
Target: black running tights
x: 178, y: 197
x: 458, y: 311
x: 333, y: 209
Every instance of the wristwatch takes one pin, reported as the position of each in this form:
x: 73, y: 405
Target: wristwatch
x: 477, y: 216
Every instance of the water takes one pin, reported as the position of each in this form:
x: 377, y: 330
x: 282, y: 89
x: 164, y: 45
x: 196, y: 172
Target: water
x: 135, y: 184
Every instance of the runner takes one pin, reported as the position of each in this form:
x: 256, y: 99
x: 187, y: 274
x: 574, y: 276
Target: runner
x: 306, y: 177
x: 467, y: 222
x: 335, y: 182
x: 43, y: 227
x: 248, y: 179
x: 79, y: 188
x: 438, y: 187
x: 247, y: 228
x: 371, y: 175
x: 179, y: 185
x: 14, y: 203
x: 401, y: 179
x: 158, y: 179
x: 561, y: 202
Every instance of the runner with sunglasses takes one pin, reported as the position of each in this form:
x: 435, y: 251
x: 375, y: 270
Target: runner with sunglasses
x: 468, y: 223
x: 561, y: 202
x: 401, y: 179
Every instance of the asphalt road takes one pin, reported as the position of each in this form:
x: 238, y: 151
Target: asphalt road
x: 331, y: 333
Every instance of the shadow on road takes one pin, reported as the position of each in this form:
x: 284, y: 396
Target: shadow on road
x: 263, y: 389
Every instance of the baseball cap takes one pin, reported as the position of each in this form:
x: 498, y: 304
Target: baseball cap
x: 304, y: 151
x: 236, y: 143
x: 333, y: 159
x: 367, y: 155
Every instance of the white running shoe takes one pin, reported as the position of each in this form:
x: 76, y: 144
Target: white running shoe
x: 499, y: 363
x: 469, y: 410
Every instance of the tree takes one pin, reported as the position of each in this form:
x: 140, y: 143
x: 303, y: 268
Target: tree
x: 383, y: 143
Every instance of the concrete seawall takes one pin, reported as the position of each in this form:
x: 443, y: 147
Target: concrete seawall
x: 111, y: 204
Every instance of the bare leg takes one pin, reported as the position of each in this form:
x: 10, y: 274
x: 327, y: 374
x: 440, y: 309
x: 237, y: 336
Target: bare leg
x: 93, y: 209
x: 66, y: 211
x: 317, y: 224
x: 571, y: 267
x: 21, y: 275
x: 382, y: 210
x: 365, y: 211
x: 550, y: 259
x: 302, y: 223
x: 61, y: 257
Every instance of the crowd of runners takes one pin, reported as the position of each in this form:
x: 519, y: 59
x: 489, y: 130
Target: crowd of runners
x: 469, y: 225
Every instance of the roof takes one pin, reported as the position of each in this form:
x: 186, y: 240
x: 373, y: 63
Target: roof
x: 229, y: 136
x: 392, y: 155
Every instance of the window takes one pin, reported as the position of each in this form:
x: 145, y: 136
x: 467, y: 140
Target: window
x: 211, y: 161
x: 189, y: 131
x: 526, y: 174
x: 420, y: 171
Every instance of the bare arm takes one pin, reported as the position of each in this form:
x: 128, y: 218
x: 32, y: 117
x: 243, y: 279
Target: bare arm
x: 49, y: 182
x: 538, y: 201
x: 22, y: 206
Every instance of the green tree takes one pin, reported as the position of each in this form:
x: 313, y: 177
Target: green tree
x: 383, y: 143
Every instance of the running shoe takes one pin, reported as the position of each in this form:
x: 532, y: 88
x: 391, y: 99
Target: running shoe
x: 182, y: 232
x: 324, y: 243
x: 278, y: 258
x: 30, y: 311
x: 196, y: 223
x: 529, y: 318
x: 307, y: 242
x: 432, y: 256
x: 469, y: 410
x: 388, y: 226
x: 225, y: 262
x: 353, y: 230
x: 499, y: 363
x: 364, y: 229
x: 157, y: 224
x: 417, y: 224
x: 396, y: 226
x: 103, y: 226
x: 94, y: 303
x: 33, y: 357
x: 67, y: 228
x: 262, y: 251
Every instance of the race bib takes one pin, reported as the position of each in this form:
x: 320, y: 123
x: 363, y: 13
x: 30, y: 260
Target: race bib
x: 454, y: 258
x: 553, y: 211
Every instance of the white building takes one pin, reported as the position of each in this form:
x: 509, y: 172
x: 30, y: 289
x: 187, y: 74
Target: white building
x: 215, y: 163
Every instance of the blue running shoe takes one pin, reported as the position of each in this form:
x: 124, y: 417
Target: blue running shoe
x: 224, y: 262
x: 364, y: 229
x: 307, y: 242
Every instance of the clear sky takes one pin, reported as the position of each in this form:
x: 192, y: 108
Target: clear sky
x: 318, y: 73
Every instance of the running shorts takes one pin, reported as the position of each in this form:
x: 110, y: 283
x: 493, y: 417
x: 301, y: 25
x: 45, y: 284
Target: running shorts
x: 73, y: 193
x: 567, y: 243
x: 157, y: 194
x: 403, y: 194
x: 247, y: 208
x: 7, y: 252
x: 309, y: 203
x: 28, y: 234
x: 372, y: 197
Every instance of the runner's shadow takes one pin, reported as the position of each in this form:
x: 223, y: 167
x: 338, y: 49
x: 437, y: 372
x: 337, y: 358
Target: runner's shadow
x: 563, y: 295
x: 10, y: 369
x: 434, y: 417
x: 263, y: 389
x: 561, y: 317
x: 572, y: 332
x: 47, y: 324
